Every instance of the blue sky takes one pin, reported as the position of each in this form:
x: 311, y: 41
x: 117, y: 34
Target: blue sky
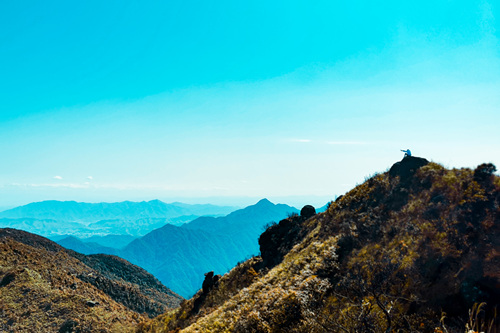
x: 209, y: 102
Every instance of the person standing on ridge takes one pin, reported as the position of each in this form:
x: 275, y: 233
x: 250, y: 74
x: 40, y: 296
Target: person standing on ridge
x: 407, y: 152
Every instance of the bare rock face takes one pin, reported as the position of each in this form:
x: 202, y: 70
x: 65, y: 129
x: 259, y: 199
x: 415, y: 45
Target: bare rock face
x: 279, y: 238
x: 484, y: 173
x: 307, y: 211
x: 210, y: 281
x: 407, y: 167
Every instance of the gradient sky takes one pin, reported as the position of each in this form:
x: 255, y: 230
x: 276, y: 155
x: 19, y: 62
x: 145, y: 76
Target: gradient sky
x: 208, y: 101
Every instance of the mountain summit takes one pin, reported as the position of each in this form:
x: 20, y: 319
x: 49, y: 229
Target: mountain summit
x: 263, y: 202
x: 407, y: 167
x: 415, y: 249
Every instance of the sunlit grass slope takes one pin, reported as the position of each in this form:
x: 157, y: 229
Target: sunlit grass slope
x: 409, y: 250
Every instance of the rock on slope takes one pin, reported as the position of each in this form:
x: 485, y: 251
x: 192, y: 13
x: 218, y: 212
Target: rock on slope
x: 411, y: 250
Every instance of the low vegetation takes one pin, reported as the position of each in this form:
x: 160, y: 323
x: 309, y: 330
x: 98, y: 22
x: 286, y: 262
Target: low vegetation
x: 46, y: 288
x: 41, y: 292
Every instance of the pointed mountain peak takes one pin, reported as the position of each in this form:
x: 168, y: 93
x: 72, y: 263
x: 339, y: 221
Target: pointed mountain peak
x: 263, y: 202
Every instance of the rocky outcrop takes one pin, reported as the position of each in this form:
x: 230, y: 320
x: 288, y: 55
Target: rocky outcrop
x: 210, y: 281
x: 307, y: 211
x: 407, y: 167
x: 279, y: 238
x: 484, y: 173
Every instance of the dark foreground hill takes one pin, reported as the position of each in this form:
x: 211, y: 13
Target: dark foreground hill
x: 410, y: 250
x: 46, y: 288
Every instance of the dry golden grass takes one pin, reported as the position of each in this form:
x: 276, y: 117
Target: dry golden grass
x: 45, y: 294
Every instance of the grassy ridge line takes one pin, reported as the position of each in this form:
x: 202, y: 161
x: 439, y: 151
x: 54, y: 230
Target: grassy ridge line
x: 394, y: 253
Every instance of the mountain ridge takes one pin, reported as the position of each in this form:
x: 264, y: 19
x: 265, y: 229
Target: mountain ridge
x: 53, y: 218
x: 412, y: 250
x: 93, y: 212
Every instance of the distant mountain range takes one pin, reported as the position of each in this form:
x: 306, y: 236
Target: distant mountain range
x: 180, y: 255
x: 126, y: 210
x: 53, y: 218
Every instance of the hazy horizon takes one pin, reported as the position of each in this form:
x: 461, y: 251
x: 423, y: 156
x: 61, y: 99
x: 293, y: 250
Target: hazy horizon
x: 105, y: 102
x: 237, y: 202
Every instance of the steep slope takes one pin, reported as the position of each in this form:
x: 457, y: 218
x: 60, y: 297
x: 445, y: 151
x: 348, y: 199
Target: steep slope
x: 40, y: 291
x: 147, y: 295
x: 123, y: 282
x: 179, y: 256
x: 410, y: 250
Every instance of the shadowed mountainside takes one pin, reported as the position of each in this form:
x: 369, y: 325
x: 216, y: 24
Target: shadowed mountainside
x: 179, y: 256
